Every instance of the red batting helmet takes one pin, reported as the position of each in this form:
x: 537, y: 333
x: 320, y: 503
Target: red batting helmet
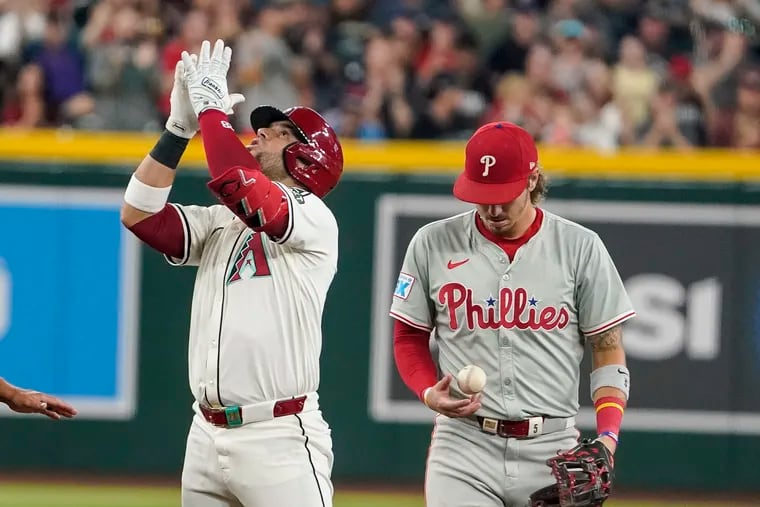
x: 319, y: 147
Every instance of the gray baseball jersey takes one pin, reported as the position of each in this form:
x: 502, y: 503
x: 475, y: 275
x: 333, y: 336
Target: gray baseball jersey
x: 522, y: 321
x: 256, y: 321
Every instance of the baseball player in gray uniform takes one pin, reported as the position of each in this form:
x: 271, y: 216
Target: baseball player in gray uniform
x: 517, y: 291
x: 265, y: 259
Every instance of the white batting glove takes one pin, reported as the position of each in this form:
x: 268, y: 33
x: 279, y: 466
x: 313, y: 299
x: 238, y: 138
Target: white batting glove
x: 182, y: 121
x: 207, y: 78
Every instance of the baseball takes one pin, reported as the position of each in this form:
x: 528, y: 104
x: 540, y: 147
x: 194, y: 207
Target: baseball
x: 471, y: 379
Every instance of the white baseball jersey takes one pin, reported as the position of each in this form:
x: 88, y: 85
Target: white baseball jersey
x: 256, y: 322
x: 523, y: 321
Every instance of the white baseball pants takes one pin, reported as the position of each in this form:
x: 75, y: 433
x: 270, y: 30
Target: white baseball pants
x: 283, y: 462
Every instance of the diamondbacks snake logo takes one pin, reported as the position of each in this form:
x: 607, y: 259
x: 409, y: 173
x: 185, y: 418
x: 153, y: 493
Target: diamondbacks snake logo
x: 251, y: 260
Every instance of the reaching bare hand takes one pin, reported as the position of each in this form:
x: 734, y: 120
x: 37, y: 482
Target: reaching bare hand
x: 438, y: 398
x: 28, y: 402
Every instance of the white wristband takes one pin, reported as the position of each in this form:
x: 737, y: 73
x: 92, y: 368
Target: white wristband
x: 144, y: 197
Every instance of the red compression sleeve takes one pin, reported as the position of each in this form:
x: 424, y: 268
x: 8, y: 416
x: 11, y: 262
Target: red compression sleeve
x: 609, y: 415
x: 253, y: 198
x: 221, y: 144
x: 163, y: 231
x: 413, y: 359
x: 277, y: 227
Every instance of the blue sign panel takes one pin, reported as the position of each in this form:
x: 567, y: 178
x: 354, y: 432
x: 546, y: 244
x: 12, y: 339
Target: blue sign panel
x: 69, y: 282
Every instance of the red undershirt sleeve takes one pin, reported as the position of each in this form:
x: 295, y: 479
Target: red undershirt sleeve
x: 162, y: 231
x: 222, y: 146
x: 224, y: 151
x: 413, y: 358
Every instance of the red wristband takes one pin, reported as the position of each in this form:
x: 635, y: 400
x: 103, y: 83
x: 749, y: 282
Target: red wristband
x: 609, y: 414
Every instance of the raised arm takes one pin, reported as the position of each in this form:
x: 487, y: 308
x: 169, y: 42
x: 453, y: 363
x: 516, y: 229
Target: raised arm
x: 145, y: 211
x: 237, y: 179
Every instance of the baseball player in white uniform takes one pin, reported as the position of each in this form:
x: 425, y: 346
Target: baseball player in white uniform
x: 265, y: 259
x: 517, y: 291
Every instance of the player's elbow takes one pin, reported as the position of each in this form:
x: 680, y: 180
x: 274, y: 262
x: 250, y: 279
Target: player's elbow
x: 127, y: 215
x: 130, y: 216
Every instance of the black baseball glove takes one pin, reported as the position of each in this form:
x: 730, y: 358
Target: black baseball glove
x: 583, y: 474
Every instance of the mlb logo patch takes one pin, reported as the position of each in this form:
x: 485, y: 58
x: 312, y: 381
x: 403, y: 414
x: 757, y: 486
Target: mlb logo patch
x: 403, y: 286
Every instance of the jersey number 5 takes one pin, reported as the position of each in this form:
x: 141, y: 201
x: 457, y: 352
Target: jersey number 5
x: 251, y: 260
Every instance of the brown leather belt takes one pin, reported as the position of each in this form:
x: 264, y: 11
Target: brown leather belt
x: 227, y: 417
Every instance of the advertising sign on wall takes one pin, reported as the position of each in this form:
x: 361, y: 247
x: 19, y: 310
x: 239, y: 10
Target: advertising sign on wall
x: 69, y: 284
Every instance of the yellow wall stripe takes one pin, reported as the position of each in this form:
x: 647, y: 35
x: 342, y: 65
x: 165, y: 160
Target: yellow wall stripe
x: 69, y: 146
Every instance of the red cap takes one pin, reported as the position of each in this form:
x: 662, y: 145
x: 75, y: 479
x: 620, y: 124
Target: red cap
x: 680, y: 67
x: 499, y: 158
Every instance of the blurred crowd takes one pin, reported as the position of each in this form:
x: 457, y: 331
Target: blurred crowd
x: 594, y: 73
